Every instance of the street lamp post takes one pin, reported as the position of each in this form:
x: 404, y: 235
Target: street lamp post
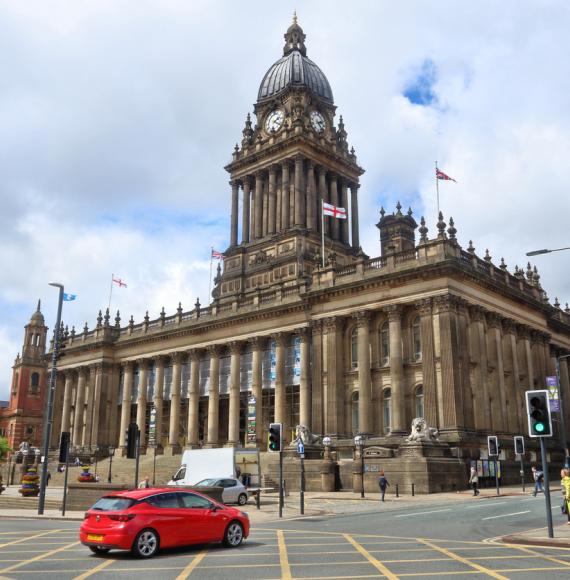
x: 539, y: 252
x: 111, y: 453
x: 48, y: 421
x: 359, y: 443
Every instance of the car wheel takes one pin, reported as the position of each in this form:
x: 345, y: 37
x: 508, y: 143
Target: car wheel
x: 100, y: 550
x: 146, y: 544
x: 242, y: 499
x: 233, y: 536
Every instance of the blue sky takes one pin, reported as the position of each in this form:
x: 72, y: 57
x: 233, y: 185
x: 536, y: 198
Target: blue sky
x: 116, y: 124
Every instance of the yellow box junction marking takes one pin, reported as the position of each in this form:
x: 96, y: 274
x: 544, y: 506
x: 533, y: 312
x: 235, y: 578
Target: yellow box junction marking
x: 463, y: 560
x: 40, y: 557
x: 188, y: 570
x: 376, y: 563
x: 540, y: 555
x: 101, y: 566
x: 283, y: 558
x: 29, y: 538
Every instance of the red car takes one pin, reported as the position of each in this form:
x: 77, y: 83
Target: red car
x: 145, y: 520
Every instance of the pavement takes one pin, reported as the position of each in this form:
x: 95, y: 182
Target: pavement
x: 342, y: 503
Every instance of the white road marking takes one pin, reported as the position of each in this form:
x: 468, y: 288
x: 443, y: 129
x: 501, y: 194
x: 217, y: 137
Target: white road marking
x: 422, y: 513
x: 472, y: 507
x: 506, y: 515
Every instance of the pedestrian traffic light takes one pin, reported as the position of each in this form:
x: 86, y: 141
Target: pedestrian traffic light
x: 64, y: 446
x: 519, y: 445
x: 493, y: 445
x: 538, y: 411
x: 275, y: 437
x: 132, y: 436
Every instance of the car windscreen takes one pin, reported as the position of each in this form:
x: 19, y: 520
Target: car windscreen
x: 111, y: 504
x: 208, y: 482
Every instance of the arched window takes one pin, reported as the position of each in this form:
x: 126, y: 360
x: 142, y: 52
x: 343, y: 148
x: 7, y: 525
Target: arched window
x: 385, y: 344
x: 416, y: 339
x: 355, y: 416
x: 35, y: 382
x: 354, y: 348
x: 419, y: 401
x: 386, y: 410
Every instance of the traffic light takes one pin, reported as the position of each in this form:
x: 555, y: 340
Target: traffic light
x: 275, y: 437
x: 493, y: 445
x: 64, y: 446
x: 132, y: 436
x: 538, y: 411
x: 519, y: 445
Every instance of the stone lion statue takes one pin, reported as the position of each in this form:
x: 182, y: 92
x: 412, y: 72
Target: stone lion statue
x: 421, y: 431
x: 303, y: 433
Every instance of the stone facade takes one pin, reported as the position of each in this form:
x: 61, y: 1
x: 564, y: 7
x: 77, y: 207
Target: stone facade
x: 340, y: 342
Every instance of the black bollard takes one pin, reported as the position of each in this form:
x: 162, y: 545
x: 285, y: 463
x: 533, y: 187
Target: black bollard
x: 397, y: 491
x: 413, y: 489
x: 258, y: 499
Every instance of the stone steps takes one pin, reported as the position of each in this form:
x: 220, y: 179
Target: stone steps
x: 27, y: 503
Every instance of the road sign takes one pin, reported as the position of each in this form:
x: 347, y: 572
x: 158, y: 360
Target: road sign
x: 553, y: 398
x: 300, y: 447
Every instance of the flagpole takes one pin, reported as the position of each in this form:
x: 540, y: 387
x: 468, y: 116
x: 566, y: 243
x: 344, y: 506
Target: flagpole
x: 437, y: 188
x: 111, y: 292
x: 322, y: 233
x: 210, y: 282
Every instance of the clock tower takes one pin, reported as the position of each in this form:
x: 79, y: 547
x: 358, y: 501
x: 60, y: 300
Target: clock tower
x: 292, y: 159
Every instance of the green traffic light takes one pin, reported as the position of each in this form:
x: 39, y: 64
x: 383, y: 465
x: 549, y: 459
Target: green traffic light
x: 539, y: 427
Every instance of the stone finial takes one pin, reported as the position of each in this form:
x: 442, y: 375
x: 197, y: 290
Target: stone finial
x: 352, y: 151
x: 294, y: 38
x: 236, y: 148
x: 451, y: 230
x: 340, y: 124
x: 441, y: 226
x: 536, y: 277
x: 382, y: 212
x: 179, y: 309
x: 423, y: 231
x: 503, y: 266
x: 197, y: 307
x: 85, y: 328
x: 131, y: 322
x: 99, y: 319
x: 519, y: 273
x: 72, y: 333
x: 118, y: 320
x: 398, y: 208
x: 567, y: 309
x: 218, y: 277
x: 66, y: 332
x: 487, y: 257
x: 162, y: 313
x: 106, y: 318
x: 146, y: 317
x: 529, y: 272
x: 556, y: 303
x: 247, y: 131
x: 410, y: 212
x: 471, y: 248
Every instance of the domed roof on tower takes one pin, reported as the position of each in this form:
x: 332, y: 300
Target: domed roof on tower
x: 295, y: 69
x: 37, y: 318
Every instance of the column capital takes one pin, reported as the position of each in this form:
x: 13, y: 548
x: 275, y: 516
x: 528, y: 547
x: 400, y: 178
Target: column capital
x: 127, y: 365
x: 194, y: 354
x: 523, y: 331
x: 354, y: 186
x: 316, y: 326
x: 445, y: 303
x: 176, y: 357
x: 214, y: 350
x: 394, y: 312
x: 509, y: 325
x: 302, y: 332
x: 96, y: 367
x: 235, y: 347
x: 142, y: 363
x: 493, y: 320
x: 257, y: 342
x: 321, y: 169
x: 280, y: 338
x: 362, y: 318
x: 330, y: 324
x: 477, y: 313
x: 424, y: 306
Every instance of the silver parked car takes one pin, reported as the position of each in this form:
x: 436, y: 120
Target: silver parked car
x: 234, y: 490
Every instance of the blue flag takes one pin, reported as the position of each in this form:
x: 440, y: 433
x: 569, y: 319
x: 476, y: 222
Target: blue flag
x: 69, y: 297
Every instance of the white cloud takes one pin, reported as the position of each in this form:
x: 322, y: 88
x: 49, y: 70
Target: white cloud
x: 117, y: 120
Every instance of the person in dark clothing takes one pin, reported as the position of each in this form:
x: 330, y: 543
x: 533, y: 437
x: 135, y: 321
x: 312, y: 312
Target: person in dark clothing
x: 48, y: 478
x: 383, y: 483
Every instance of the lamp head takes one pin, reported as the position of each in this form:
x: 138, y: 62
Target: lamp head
x: 537, y: 252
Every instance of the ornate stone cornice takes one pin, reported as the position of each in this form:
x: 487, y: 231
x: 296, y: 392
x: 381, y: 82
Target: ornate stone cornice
x: 330, y: 324
x: 362, y: 318
x: 394, y: 312
x: 493, y: 320
x: 235, y: 346
x: 424, y: 306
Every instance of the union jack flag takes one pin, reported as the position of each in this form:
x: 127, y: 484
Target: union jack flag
x: 217, y: 255
x: 441, y: 175
x: 332, y: 210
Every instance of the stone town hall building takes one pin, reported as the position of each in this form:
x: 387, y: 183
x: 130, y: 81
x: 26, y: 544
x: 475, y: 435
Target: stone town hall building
x: 356, y: 344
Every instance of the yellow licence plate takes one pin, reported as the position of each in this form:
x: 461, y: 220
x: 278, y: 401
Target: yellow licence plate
x: 94, y: 538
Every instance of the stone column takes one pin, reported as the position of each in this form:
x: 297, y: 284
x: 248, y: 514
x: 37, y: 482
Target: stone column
x: 280, y: 394
x: 285, y: 196
x: 79, y: 408
x: 258, y: 205
x: 398, y: 422
x: 323, y: 196
x: 452, y: 393
x: 354, y: 209
x: 272, y: 200
x: 526, y: 334
x: 463, y: 340
x: 246, y: 210
x: 317, y: 419
x: 233, y: 428
x: 112, y: 379
x: 305, y: 383
x: 66, y: 412
x: 158, y: 397
x: 311, y: 202
x: 499, y: 408
x: 126, y: 402
x: 174, y: 423
x: 88, y: 417
x: 335, y: 227
x: 299, y: 206
x: 194, y: 399
x: 265, y: 218
x: 428, y: 362
x: 214, y: 396
x: 364, y: 380
x: 97, y: 383
x: 235, y: 212
x: 256, y: 386
x: 141, y: 400
x: 344, y: 203
x: 510, y: 359
x: 334, y: 414
x: 480, y: 368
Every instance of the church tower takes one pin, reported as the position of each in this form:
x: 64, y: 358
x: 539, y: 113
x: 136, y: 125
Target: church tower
x: 22, y: 419
x: 291, y: 159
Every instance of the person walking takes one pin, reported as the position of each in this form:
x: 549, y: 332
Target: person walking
x: 383, y: 483
x: 565, y: 481
x: 145, y: 483
x: 538, y: 476
x: 474, y: 480
x: 48, y: 478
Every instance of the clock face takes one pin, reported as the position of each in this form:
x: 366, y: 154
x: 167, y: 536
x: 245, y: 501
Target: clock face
x: 317, y: 121
x: 274, y: 121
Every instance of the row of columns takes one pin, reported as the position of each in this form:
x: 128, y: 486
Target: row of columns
x: 289, y: 195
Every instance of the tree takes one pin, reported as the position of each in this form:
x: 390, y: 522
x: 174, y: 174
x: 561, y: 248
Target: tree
x: 4, y: 447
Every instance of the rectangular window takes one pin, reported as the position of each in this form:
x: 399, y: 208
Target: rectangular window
x: 204, y: 376
x: 167, y: 383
